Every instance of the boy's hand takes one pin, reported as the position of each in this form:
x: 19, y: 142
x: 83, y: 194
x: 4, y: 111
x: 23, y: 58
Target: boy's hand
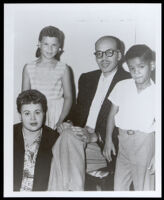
x: 108, y: 148
x: 151, y: 167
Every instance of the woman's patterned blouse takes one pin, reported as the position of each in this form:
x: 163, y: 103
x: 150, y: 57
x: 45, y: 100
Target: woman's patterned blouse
x: 31, y: 150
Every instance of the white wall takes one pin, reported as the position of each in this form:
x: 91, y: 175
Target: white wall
x: 82, y: 25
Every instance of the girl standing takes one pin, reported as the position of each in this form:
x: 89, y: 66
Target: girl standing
x: 50, y: 76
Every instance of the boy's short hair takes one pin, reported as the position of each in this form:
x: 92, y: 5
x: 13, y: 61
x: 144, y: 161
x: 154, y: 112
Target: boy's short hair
x: 141, y: 51
x: 31, y: 96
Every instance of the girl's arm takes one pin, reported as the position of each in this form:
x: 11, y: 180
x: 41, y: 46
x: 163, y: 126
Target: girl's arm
x: 67, y: 96
x: 25, y: 79
x: 109, y: 146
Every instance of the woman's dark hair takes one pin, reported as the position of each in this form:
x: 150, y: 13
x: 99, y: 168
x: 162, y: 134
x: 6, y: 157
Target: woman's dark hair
x: 141, y: 51
x: 31, y: 96
x: 50, y: 31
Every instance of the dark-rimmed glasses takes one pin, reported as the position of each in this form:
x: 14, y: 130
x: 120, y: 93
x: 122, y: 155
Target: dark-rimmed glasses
x: 108, y: 53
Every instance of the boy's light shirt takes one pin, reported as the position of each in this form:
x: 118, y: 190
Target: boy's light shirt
x: 102, y: 88
x: 136, y: 110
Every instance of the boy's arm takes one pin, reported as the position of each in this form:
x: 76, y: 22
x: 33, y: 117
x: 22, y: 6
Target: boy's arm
x: 25, y: 79
x: 109, y: 146
x: 67, y: 96
x: 151, y: 167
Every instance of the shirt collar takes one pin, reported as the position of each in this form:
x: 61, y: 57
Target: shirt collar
x: 152, y: 86
x: 111, y: 75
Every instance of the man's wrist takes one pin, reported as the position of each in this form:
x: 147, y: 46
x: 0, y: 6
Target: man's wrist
x: 92, y: 137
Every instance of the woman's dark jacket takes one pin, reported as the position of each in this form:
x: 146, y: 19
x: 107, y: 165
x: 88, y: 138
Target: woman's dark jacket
x: 43, y: 160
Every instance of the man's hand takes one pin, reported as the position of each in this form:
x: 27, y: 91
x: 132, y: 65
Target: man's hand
x: 108, y: 148
x: 85, y: 134
x: 63, y: 126
x: 80, y: 133
x: 92, y: 136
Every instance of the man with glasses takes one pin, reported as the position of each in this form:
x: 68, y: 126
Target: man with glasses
x: 89, y: 116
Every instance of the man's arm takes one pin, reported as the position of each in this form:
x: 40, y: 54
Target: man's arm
x: 109, y: 146
x: 67, y: 96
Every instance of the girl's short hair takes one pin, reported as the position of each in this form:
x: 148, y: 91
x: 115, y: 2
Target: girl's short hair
x: 50, y: 31
x: 141, y: 51
x: 31, y: 96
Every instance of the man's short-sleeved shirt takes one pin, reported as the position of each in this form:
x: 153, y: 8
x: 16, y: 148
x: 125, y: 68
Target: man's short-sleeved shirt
x: 136, y: 110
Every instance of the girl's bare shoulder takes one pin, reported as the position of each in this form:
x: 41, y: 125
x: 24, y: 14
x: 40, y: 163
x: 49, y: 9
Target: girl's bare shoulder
x: 31, y: 64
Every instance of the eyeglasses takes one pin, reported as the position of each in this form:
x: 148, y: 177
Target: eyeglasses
x: 108, y: 53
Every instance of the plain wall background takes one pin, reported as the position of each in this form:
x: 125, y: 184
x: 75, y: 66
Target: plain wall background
x: 82, y: 25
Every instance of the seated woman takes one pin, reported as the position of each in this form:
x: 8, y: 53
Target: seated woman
x: 33, y: 142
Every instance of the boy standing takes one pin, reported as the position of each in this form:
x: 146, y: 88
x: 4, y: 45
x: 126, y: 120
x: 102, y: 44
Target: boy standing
x: 133, y: 112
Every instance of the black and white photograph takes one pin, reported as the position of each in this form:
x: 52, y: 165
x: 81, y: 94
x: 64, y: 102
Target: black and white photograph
x: 82, y: 100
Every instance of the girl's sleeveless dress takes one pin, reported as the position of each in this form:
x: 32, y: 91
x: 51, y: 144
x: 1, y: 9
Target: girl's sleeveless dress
x: 49, y: 82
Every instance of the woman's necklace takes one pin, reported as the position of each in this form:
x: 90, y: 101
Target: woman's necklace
x: 30, y: 138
